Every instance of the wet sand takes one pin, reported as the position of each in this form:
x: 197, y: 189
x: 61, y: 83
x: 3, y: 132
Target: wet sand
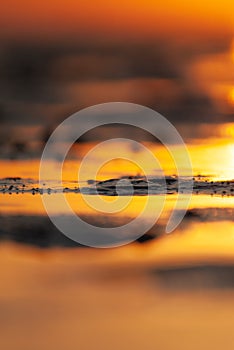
x: 163, y: 292
x: 83, y: 299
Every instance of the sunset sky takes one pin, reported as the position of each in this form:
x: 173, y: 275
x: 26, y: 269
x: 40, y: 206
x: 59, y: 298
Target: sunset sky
x: 58, y: 57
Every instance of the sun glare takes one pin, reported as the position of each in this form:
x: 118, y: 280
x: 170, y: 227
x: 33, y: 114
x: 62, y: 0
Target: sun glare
x: 228, y: 130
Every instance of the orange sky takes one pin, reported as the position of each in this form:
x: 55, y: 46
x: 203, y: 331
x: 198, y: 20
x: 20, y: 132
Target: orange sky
x: 114, y: 18
x: 58, y: 57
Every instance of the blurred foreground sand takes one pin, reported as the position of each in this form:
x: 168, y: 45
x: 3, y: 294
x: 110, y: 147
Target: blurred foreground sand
x: 105, y: 299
